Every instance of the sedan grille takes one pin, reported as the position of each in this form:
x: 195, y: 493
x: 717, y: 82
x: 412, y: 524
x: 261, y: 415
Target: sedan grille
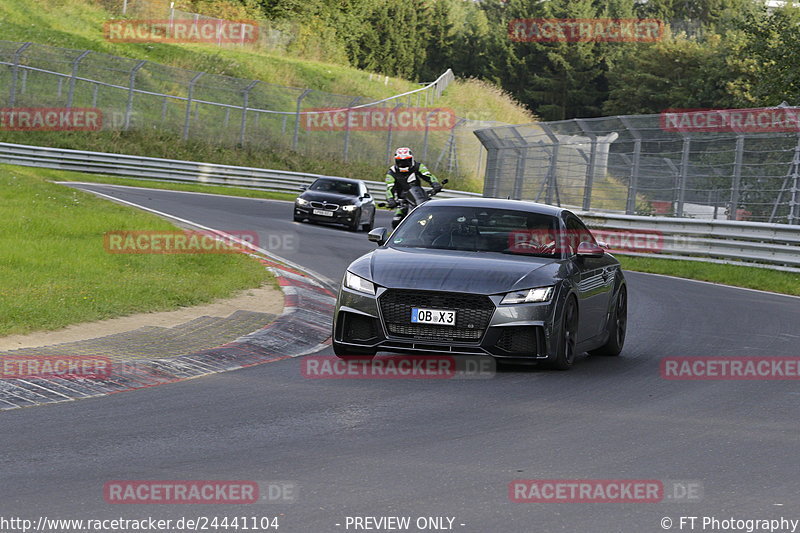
x: 473, y: 313
x: 324, y: 205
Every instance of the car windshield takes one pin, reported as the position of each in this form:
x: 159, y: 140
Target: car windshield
x: 335, y: 186
x: 479, y: 229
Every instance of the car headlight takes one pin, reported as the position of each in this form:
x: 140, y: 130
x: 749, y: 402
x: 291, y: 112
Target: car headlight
x: 539, y: 294
x: 351, y: 281
x: 301, y: 201
x: 349, y: 207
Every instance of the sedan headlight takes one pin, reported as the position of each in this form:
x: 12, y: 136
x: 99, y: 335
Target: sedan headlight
x: 301, y: 201
x: 539, y: 294
x: 351, y: 281
x: 349, y: 207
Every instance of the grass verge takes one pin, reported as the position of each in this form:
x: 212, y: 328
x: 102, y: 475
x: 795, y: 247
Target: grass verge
x: 55, y: 270
x: 739, y: 276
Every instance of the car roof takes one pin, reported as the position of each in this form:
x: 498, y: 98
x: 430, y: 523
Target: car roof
x: 501, y: 203
x: 336, y: 178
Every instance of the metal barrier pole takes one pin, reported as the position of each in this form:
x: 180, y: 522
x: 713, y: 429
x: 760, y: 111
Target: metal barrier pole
x: 75, y: 64
x: 633, y: 180
x: 684, y: 175
x: 297, y: 119
x: 737, y: 178
x: 188, y: 118
x: 245, y: 101
x: 131, y: 87
x: 794, y: 201
x: 589, y: 179
x: 425, y: 136
x: 389, y: 135
x: 551, y: 180
x: 14, y: 69
x: 347, y: 129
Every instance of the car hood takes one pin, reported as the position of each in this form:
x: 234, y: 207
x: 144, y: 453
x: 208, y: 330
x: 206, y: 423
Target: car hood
x: 458, y: 271
x: 331, y: 197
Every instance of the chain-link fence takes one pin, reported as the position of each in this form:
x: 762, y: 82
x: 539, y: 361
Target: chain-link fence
x: 141, y: 95
x: 736, y: 169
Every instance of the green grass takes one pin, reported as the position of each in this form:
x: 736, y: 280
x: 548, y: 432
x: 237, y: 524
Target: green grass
x: 55, y: 270
x: 739, y: 276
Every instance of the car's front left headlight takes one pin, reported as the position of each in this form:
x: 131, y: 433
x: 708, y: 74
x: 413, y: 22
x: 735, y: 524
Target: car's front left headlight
x: 357, y: 283
x: 539, y: 294
x: 301, y: 201
x: 349, y: 207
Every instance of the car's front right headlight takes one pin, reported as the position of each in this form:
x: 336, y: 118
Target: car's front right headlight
x: 357, y: 283
x: 301, y: 201
x: 537, y: 295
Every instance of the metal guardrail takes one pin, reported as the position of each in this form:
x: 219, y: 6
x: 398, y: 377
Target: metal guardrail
x: 173, y: 170
x: 775, y: 246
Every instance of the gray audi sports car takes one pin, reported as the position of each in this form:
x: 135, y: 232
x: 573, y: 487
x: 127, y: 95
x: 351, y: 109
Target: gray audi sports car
x: 519, y: 281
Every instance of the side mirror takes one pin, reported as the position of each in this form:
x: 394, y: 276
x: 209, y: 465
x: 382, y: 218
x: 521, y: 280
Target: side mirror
x: 303, y: 187
x: 378, y: 235
x: 366, y: 195
x: 588, y: 249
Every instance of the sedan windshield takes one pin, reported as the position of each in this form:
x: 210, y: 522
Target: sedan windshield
x: 478, y: 229
x: 335, y: 186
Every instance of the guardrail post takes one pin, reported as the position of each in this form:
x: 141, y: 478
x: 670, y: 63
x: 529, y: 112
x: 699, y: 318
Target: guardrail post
x: 75, y: 64
x: 190, y: 94
x: 297, y: 118
x: 245, y: 102
x: 687, y: 141
x: 737, y: 178
x: 131, y: 87
x: 12, y: 97
x: 389, y: 135
x: 347, y: 129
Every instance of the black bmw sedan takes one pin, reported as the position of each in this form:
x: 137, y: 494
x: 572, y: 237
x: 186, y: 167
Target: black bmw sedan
x: 337, y: 201
x: 519, y: 281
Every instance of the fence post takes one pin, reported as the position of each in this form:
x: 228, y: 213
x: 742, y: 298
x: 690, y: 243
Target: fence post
x: 684, y: 175
x: 75, y: 64
x: 94, y: 94
x: 794, y: 198
x: 737, y: 178
x: 297, y: 118
x: 589, y: 180
x: 551, y: 180
x: 14, y: 69
x: 188, y: 118
x: 347, y: 129
x: 245, y: 102
x: 425, y: 136
x: 519, y: 176
x: 633, y: 180
x: 131, y: 87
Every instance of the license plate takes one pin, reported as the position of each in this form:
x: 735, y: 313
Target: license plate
x: 323, y: 212
x: 440, y: 317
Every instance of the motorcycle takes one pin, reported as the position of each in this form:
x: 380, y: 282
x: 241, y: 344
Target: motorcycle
x: 413, y: 197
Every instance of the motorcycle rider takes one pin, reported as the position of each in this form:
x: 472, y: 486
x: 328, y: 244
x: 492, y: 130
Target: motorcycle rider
x: 401, y: 176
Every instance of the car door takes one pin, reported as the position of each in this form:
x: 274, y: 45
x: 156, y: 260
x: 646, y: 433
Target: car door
x: 594, y: 281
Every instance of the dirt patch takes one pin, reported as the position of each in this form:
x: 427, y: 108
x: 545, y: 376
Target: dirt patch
x: 266, y: 299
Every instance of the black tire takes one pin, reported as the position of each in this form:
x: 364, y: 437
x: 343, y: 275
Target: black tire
x: 567, y: 337
x: 346, y: 352
x: 298, y: 219
x: 355, y: 225
x: 617, y: 326
x: 371, y: 224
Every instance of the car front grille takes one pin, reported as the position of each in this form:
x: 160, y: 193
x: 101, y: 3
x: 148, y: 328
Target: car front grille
x: 473, y: 313
x: 324, y: 205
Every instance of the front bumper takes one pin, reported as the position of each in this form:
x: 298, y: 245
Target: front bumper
x: 519, y: 332
x: 340, y: 216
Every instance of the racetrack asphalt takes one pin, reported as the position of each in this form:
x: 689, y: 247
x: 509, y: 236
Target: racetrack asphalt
x: 435, y: 447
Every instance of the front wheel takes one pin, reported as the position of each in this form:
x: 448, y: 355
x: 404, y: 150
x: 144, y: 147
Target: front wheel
x: 568, y: 336
x: 355, y: 225
x: 617, y: 326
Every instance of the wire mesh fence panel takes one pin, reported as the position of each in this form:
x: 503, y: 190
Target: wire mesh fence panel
x: 737, y: 169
